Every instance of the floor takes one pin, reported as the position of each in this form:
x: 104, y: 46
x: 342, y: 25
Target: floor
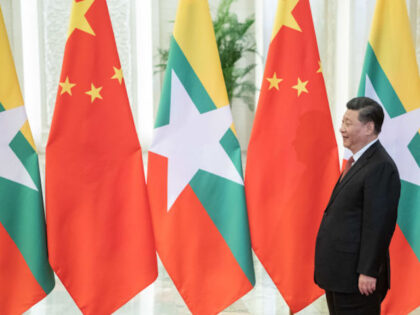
x: 162, y: 298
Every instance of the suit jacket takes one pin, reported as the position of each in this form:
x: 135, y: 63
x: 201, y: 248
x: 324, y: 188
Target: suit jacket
x: 358, y: 224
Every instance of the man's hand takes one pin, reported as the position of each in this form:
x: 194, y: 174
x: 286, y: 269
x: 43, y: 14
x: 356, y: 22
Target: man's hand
x: 367, y: 285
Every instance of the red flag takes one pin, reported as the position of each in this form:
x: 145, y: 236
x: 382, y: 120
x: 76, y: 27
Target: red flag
x: 292, y: 161
x: 98, y: 219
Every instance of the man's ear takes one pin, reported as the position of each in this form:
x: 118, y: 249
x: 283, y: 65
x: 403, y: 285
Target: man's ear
x: 370, y: 128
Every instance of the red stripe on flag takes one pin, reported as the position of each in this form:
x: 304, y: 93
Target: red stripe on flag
x: 19, y: 290
x: 405, y: 277
x: 191, y: 248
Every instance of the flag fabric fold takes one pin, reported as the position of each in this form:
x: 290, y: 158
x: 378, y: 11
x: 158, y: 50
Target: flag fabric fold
x: 390, y: 76
x: 98, y: 218
x: 292, y: 161
x: 194, y: 176
x: 25, y: 274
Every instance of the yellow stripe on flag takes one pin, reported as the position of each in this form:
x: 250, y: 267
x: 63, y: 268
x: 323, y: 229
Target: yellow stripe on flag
x: 10, y: 95
x: 392, y: 43
x: 199, y: 47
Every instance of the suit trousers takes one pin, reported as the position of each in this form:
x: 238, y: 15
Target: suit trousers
x: 355, y: 303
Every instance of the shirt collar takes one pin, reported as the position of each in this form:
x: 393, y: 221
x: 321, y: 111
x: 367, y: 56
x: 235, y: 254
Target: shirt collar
x: 359, y: 153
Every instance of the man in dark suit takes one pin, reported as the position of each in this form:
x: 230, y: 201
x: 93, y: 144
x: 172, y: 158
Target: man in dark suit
x: 351, y: 256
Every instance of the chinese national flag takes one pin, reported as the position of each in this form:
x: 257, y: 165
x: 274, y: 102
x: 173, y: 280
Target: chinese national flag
x: 98, y: 220
x: 292, y: 162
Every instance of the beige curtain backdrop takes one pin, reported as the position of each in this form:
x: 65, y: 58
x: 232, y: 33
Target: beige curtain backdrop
x: 37, y: 32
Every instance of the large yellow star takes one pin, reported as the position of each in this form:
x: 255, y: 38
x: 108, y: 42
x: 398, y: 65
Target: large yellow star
x: 274, y: 82
x: 94, y: 93
x: 66, y: 86
x: 78, y: 19
x: 284, y: 16
x: 118, y: 74
x: 300, y: 86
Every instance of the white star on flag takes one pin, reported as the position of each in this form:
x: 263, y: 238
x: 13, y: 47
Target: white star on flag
x: 11, y: 167
x: 191, y: 141
x: 396, y: 135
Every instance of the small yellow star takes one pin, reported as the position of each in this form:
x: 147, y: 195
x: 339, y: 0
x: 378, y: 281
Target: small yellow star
x: 66, y: 86
x: 284, y: 16
x: 78, y: 19
x: 320, y: 67
x: 274, y: 82
x: 94, y: 93
x: 118, y: 74
x: 300, y: 86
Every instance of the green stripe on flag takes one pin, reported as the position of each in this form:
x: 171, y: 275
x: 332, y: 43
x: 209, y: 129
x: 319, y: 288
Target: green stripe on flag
x: 228, y: 214
x: 230, y: 144
x: 383, y: 87
x: 22, y: 215
x: 1, y: 107
x: 414, y: 147
x: 28, y: 157
x: 179, y: 63
x: 409, y: 215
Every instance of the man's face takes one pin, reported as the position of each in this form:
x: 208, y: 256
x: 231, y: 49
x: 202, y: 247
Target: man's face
x: 355, y: 133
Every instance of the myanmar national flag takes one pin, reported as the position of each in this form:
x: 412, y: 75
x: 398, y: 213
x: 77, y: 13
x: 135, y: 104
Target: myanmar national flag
x: 98, y: 219
x: 195, y: 175
x: 25, y: 274
x: 292, y: 162
x: 390, y: 76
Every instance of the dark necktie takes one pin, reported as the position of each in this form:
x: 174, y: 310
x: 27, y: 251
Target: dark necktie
x: 347, y: 167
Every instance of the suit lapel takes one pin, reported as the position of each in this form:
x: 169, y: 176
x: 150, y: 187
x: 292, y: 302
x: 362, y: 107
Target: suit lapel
x: 358, y: 165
